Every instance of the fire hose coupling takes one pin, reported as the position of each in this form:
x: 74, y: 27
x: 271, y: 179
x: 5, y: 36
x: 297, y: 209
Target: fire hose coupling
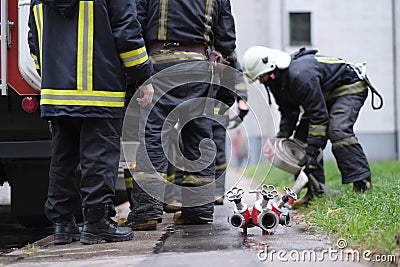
x: 268, y: 221
x: 267, y: 213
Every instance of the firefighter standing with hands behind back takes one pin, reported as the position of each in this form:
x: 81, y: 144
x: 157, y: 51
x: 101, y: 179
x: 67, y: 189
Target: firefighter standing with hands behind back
x: 331, y: 92
x: 87, y: 52
x: 178, y: 32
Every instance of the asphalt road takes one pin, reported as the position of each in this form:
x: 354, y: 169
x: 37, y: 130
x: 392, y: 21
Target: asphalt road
x: 216, y: 244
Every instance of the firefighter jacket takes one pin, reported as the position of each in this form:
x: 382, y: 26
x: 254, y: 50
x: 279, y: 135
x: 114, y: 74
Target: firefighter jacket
x: 87, y: 53
x: 196, y: 22
x: 312, y: 82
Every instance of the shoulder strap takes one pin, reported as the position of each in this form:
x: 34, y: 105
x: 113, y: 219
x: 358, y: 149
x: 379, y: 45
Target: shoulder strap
x: 302, y: 52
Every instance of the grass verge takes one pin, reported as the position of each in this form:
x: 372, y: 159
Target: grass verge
x: 366, y: 221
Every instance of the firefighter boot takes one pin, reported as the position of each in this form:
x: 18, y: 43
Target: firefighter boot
x: 98, y: 227
x: 145, y: 217
x: 65, y: 232
x: 362, y: 185
x: 147, y: 210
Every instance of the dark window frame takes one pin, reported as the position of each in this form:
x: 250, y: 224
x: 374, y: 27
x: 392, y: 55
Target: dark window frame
x: 300, y: 28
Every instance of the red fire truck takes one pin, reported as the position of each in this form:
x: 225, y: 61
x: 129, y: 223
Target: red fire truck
x: 24, y: 136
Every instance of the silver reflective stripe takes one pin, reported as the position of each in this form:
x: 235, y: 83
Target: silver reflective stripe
x: 162, y: 24
x: 135, y: 58
x: 86, y: 98
x: 345, y: 142
x: 85, y: 46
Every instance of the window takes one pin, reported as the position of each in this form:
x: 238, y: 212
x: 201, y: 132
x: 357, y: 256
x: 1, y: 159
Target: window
x: 300, y: 28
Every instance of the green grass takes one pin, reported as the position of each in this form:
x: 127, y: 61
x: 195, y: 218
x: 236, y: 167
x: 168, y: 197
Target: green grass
x: 366, y: 221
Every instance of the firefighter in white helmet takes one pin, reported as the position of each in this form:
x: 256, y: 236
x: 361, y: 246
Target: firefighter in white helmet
x: 330, y: 91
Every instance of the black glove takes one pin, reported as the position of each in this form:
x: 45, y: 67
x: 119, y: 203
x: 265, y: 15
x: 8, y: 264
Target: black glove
x: 242, y: 113
x: 226, y: 96
x: 310, y: 160
x: 283, y: 134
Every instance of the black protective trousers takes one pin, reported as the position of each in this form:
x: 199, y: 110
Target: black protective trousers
x: 95, y: 144
x: 219, y: 135
x: 350, y: 157
x: 180, y: 93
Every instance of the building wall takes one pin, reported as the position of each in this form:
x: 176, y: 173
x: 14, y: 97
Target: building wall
x: 357, y: 30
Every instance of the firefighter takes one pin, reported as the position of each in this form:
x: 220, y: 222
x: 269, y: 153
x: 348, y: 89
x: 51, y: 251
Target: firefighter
x: 220, y: 126
x: 179, y: 32
x: 330, y: 91
x: 86, y: 53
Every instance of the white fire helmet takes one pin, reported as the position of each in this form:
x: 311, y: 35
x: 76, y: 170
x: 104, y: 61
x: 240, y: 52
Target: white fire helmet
x: 259, y: 60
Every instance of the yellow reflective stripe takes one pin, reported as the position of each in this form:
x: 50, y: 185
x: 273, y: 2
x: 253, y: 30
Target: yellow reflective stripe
x: 82, y: 93
x: 345, y: 142
x: 216, y: 111
x: 162, y: 22
x: 129, y: 182
x: 149, y: 175
x: 329, y: 60
x: 347, y: 89
x: 350, y: 88
x: 317, y: 130
x: 240, y: 86
x: 35, y: 59
x: 199, y: 180
x: 176, y: 56
x: 85, y: 46
x: 208, y: 20
x: 221, y: 166
x: 171, y: 178
x: 38, y: 14
x: 134, y: 57
x: 82, y: 98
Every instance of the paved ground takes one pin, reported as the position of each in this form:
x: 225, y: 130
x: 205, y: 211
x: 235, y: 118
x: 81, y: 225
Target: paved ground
x: 217, y: 244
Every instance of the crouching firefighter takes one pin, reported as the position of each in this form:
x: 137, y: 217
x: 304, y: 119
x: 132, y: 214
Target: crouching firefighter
x: 87, y: 52
x: 331, y: 92
x: 178, y: 35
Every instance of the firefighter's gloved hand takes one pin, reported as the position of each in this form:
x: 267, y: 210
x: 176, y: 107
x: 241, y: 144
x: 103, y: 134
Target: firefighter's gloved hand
x: 310, y: 161
x: 226, y: 96
x: 243, y: 108
x: 242, y: 113
x: 283, y: 134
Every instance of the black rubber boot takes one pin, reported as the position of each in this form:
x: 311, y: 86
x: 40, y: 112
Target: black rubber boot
x: 65, y: 232
x: 144, y: 218
x: 98, y: 227
x: 147, y: 211
x: 362, y: 185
